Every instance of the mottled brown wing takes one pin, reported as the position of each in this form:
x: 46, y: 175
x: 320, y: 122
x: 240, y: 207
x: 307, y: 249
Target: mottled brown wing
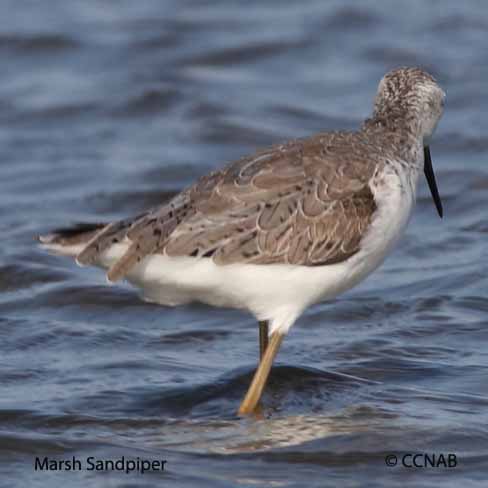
x: 296, y: 204
x: 307, y: 202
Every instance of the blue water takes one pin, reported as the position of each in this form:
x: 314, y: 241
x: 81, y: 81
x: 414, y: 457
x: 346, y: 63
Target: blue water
x: 107, y: 108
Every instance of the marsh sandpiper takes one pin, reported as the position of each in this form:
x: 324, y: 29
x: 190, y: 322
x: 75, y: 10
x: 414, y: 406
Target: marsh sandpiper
x: 287, y: 227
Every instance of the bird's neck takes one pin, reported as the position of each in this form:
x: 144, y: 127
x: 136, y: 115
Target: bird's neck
x: 399, y: 131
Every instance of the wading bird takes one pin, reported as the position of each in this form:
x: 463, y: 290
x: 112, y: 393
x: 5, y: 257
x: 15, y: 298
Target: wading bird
x: 287, y: 227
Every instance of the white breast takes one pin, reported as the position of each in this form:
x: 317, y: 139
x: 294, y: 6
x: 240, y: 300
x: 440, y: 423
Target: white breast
x: 394, y: 193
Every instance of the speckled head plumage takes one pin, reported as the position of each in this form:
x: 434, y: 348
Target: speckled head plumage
x: 411, y: 99
x: 413, y: 96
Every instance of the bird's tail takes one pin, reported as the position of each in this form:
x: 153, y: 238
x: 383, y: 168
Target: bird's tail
x: 70, y: 241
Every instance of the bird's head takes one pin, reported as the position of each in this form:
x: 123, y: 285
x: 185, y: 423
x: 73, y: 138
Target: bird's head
x: 413, y: 97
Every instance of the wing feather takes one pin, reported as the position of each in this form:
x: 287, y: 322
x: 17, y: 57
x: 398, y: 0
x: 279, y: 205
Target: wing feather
x: 306, y: 203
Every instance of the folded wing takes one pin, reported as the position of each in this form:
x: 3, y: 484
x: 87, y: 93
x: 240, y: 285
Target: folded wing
x: 303, y: 203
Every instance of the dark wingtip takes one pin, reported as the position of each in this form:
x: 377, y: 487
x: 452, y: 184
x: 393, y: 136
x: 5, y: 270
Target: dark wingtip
x: 78, y: 233
x: 76, y: 229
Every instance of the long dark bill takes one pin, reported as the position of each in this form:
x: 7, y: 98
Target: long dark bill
x: 429, y: 174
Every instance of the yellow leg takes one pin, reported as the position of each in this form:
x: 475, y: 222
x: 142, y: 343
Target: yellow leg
x: 261, y: 375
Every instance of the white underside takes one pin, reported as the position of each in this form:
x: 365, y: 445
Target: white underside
x: 278, y: 293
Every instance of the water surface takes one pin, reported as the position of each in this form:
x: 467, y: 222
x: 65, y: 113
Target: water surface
x: 109, y: 108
